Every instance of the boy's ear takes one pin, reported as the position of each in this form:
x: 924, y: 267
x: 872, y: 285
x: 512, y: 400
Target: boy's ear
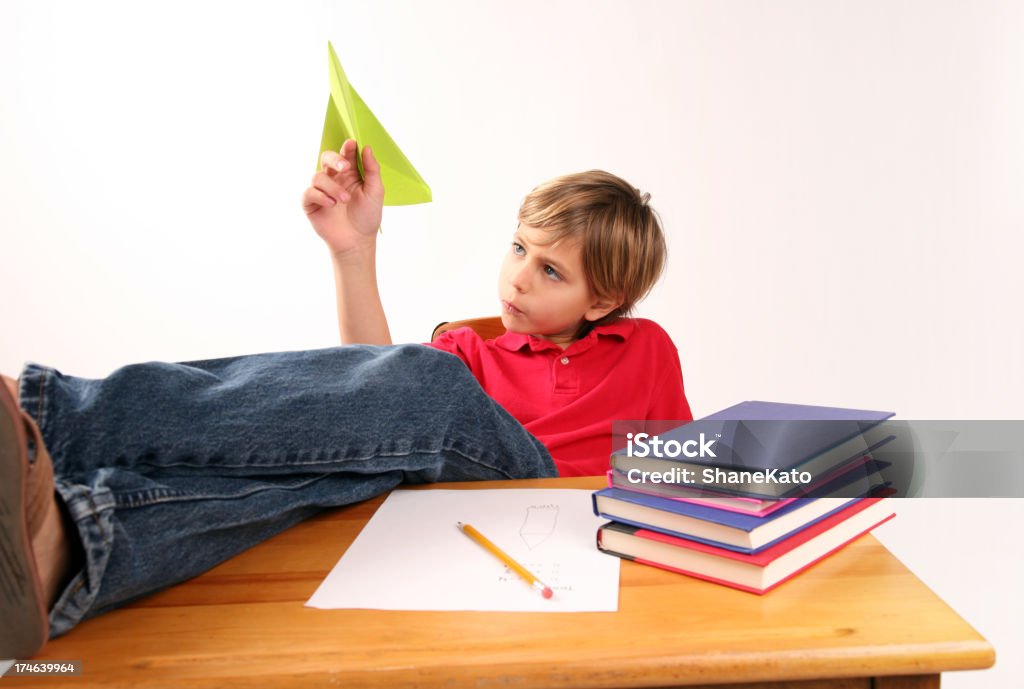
x: 601, y: 308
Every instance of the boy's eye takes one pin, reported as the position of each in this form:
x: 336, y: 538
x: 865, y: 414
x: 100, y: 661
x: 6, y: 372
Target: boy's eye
x: 552, y: 273
x: 518, y: 249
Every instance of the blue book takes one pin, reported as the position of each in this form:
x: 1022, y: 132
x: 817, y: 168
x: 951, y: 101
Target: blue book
x: 738, y: 531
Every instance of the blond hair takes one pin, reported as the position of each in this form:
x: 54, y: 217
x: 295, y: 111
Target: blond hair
x: 620, y: 235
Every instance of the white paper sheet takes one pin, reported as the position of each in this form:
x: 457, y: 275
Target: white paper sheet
x: 412, y: 556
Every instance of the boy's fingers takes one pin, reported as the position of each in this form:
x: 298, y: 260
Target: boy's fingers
x: 345, y: 161
x: 349, y: 150
x: 371, y: 168
x: 370, y: 164
x: 313, y: 199
x: 329, y: 186
x: 328, y: 160
x: 332, y: 160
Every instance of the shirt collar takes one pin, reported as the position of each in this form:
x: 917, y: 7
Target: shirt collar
x: 619, y: 329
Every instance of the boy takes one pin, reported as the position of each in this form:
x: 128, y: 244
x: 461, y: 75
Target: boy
x: 161, y: 471
x: 587, y: 249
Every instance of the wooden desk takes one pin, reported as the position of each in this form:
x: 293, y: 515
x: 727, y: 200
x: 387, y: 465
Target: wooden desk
x: 856, y: 616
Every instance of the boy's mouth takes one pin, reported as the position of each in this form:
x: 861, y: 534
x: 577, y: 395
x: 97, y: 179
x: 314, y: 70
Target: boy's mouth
x: 510, y: 309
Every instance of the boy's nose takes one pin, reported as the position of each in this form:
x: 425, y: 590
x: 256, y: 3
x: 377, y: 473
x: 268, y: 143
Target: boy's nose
x: 520, y: 279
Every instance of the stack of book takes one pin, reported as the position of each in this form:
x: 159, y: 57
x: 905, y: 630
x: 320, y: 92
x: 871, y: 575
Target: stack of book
x: 728, y: 516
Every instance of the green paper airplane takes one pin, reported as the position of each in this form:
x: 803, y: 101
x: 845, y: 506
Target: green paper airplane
x: 348, y: 117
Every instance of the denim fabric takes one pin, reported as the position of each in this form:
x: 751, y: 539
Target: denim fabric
x: 170, y: 469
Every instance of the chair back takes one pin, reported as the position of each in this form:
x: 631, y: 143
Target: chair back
x: 486, y: 328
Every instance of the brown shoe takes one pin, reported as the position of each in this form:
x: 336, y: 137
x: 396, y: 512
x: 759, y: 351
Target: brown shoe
x: 11, y: 384
x: 26, y: 492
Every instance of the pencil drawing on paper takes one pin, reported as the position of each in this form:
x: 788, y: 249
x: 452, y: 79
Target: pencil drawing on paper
x: 539, y: 524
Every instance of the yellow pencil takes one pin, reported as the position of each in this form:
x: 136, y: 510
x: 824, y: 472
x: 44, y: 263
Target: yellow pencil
x: 497, y: 552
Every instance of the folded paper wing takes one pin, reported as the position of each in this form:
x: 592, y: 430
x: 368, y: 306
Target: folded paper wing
x: 348, y: 117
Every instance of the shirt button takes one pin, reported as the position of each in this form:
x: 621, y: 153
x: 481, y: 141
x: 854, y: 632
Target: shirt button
x: 565, y: 360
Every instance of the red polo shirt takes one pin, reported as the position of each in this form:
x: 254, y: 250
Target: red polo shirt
x: 568, y: 398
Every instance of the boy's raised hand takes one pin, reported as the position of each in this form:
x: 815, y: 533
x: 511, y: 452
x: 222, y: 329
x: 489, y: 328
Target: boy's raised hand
x: 344, y: 208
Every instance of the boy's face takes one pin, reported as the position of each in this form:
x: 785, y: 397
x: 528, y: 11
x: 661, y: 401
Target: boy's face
x: 543, y: 288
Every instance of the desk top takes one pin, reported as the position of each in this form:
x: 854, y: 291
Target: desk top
x: 859, y: 613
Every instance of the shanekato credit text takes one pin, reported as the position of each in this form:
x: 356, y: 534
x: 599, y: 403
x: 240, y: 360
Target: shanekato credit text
x: 645, y: 445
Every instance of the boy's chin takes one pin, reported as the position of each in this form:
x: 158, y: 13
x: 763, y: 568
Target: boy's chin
x: 511, y: 323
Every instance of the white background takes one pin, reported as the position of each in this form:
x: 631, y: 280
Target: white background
x: 840, y: 183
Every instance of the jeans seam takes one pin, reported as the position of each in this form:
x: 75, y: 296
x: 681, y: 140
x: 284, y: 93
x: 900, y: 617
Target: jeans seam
x: 94, y: 514
x: 165, y: 496
x: 77, y: 587
x: 42, y: 393
x: 307, y: 465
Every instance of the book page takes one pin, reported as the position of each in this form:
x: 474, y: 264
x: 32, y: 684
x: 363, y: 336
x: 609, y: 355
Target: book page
x: 412, y: 556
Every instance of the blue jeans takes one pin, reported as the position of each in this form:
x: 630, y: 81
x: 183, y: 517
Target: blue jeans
x: 169, y: 469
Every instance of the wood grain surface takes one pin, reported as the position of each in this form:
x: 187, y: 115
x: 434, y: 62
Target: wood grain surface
x: 857, y: 615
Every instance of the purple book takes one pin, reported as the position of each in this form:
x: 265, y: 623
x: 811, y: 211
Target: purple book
x: 730, y: 529
x: 753, y: 410
x: 724, y: 450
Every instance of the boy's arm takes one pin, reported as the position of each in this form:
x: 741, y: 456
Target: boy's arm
x: 345, y: 210
x: 361, y: 318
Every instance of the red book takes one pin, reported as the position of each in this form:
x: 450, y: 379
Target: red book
x: 759, y: 572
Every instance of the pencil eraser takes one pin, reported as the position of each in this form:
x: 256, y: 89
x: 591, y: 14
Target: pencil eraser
x: 547, y: 592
